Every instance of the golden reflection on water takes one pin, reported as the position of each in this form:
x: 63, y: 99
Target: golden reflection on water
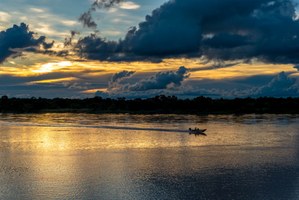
x: 71, y: 158
x: 68, y: 133
x: 64, y: 136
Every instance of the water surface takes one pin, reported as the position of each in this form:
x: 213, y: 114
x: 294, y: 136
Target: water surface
x: 81, y: 156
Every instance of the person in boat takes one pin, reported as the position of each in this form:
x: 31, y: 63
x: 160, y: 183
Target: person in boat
x: 197, y: 130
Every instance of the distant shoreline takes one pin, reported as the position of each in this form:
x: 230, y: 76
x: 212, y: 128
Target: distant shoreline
x: 156, y: 105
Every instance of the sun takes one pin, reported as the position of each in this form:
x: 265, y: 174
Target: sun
x: 50, y: 67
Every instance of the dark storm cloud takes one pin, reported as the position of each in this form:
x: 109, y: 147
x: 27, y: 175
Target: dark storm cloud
x: 18, y: 38
x: 86, y: 18
x: 94, y: 47
x: 280, y: 86
x: 121, y: 75
x: 213, y: 29
x: 116, y: 79
x: 161, y: 80
x: 97, y: 48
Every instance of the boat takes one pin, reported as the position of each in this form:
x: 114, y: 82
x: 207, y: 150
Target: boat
x: 197, y: 131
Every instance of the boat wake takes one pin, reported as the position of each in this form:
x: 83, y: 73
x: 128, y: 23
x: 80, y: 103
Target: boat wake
x: 132, y: 128
x: 143, y: 129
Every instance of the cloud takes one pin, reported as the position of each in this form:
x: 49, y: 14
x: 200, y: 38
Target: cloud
x: 121, y: 75
x: 68, y: 41
x: 118, y: 77
x: 19, y: 38
x: 279, y: 86
x: 161, y: 82
x: 164, y: 83
x: 86, y: 18
x: 4, y: 16
x: 213, y: 29
x: 129, y: 5
x: 296, y: 67
x: 90, y: 47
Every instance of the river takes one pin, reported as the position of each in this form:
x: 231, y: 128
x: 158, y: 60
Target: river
x: 108, y: 156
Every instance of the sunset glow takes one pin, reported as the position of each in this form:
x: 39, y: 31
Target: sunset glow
x: 78, y: 58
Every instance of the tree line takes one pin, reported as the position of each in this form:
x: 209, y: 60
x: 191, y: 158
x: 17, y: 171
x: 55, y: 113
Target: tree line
x: 156, y: 105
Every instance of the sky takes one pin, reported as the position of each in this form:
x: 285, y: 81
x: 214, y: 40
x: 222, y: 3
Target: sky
x: 140, y: 49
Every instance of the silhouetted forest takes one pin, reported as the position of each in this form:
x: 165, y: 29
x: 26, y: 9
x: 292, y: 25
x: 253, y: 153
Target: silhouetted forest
x: 159, y: 104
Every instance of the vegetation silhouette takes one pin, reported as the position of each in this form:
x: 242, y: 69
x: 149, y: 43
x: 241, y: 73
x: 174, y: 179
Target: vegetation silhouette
x: 157, y: 105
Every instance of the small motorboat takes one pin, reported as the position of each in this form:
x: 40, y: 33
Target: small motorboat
x: 197, y: 131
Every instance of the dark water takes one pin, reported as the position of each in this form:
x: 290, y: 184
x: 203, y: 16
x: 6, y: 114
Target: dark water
x: 75, y: 156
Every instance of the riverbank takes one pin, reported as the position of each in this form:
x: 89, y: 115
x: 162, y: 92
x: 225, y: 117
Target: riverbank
x: 157, y: 105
